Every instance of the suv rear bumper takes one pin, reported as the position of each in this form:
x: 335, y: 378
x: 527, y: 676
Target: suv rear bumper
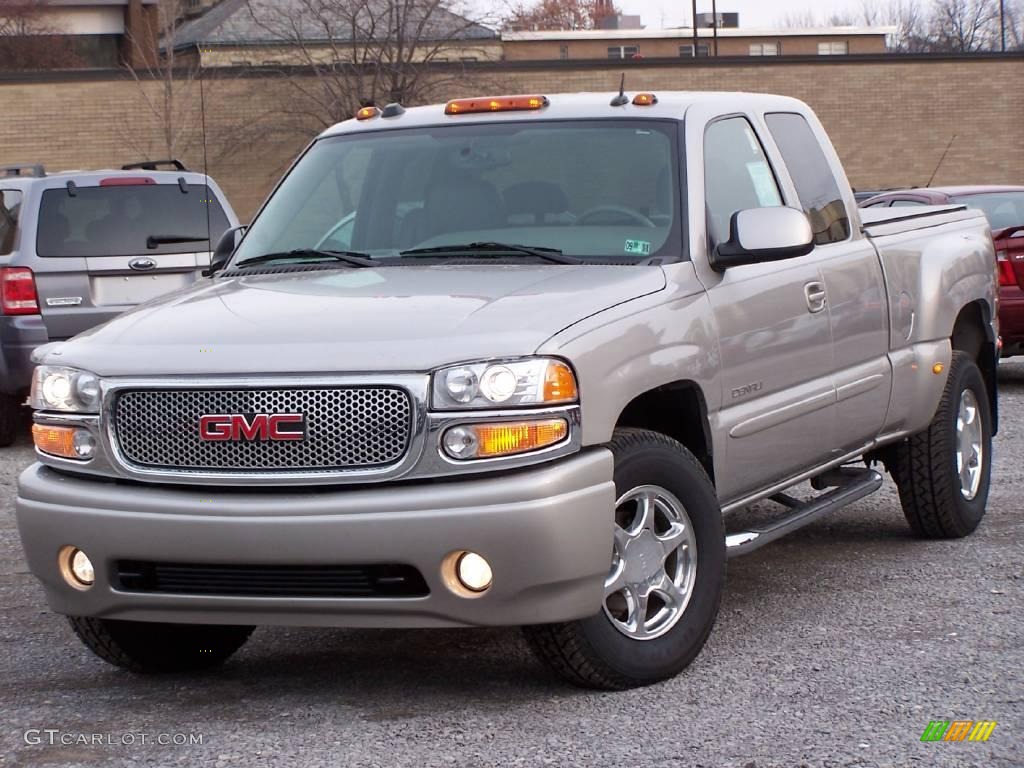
x: 546, y: 532
x: 19, y: 337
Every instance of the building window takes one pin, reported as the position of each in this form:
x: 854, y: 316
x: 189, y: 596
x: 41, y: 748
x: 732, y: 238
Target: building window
x: 623, y: 51
x: 833, y: 49
x: 764, y: 49
x: 563, y: 52
x: 686, y: 51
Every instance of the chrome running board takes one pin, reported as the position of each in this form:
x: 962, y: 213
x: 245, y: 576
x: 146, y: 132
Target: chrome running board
x: 852, y: 485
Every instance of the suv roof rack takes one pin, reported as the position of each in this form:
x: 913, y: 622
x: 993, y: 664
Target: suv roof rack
x: 37, y: 170
x: 151, y: 165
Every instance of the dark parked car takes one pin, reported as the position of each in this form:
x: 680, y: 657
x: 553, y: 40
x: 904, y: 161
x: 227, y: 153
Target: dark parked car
x: 1004, y: 207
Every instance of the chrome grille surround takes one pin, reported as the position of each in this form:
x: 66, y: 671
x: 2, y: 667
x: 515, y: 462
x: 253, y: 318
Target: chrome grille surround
x: 347, y: 428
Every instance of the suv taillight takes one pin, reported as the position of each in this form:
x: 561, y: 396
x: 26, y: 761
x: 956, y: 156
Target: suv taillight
x: 18, y: 291
x: 1005, y: 269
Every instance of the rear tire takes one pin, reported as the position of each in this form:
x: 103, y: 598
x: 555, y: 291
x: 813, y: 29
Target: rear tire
x: 625, y: 646
x: 943, y: 472
x: 150, y: 647
x: 12, y: 417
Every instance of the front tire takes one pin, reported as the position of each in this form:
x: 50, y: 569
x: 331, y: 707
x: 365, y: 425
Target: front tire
x: 665, y: 579
x: 150, y: 647
x: 943, y: 472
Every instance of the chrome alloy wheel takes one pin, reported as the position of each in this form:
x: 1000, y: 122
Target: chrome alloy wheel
x: 654, y: 563
x: 970, y: 452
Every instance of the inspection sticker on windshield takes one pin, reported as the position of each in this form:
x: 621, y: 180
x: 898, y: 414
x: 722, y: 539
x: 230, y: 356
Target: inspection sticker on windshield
x: 639, y: 247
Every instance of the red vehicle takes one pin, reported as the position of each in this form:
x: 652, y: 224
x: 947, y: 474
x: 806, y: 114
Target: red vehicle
x: 1004, y: 207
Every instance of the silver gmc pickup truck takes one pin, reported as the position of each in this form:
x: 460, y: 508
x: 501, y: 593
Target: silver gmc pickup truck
x: 513, y: 361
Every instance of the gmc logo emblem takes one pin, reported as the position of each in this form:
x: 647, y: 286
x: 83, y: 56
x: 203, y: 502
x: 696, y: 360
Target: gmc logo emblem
x: 255, y: 426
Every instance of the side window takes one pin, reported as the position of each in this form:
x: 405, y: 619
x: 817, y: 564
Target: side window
x: 906, y: 203
x: 813, y: 177
x: 10, y: 205
x: 736, y: 174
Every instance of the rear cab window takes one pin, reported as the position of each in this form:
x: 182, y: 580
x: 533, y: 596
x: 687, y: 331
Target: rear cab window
x: 813, y: 177
x: 120, y: 220
x: 10, y: 209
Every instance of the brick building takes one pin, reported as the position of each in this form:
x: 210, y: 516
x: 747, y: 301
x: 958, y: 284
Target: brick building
x: 675, y: 43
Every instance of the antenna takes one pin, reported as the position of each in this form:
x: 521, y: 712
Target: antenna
x: 941, y: 159
x: 621, y: 99
x: 206, y: 165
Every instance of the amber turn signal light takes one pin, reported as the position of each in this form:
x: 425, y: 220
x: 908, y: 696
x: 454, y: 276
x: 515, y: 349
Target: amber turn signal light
x: 57, y: 441
x: 488, y: 441
x: 559, y: 383
x: 495, y: 104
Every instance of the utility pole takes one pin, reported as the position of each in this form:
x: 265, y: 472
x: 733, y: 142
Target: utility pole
x: 1002, y: 25
x: 714, y: 20
x: 695, y: 28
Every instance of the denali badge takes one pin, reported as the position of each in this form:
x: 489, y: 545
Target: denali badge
x: 253, y: 426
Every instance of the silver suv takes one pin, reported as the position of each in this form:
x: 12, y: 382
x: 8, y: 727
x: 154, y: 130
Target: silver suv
x: 79, y: 247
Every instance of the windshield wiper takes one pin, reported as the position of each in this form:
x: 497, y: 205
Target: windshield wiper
x: 548, y: 254
x: 157, y: 240
x: 355, y: 258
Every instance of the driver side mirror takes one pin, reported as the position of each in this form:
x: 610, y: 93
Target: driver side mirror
x: 758, y: 235
x: 225, y: 249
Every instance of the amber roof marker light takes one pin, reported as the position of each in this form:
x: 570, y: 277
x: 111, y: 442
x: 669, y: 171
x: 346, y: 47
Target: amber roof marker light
x: 495, y: 104
x: 645, y: 100
x: 367, y: 112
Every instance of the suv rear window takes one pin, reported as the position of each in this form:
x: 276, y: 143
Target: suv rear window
x: 118, y: 220
x: 10, y: 204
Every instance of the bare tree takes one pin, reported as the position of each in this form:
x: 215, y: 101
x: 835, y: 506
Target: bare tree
x: 909, y: 18
x: 28, y: 42
x: 558, y: 14
x: 963, y: 26
x: 351, y: 53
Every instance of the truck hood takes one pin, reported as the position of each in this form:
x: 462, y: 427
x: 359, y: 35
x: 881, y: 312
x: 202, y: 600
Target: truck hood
x: 353, y: 320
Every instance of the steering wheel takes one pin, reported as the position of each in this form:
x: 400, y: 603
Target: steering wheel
x: 621, y: 210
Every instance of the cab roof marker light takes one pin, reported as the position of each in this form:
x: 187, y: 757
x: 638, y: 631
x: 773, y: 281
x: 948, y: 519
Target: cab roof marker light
x: 367, y: 112
x: 495, y: 104
x: 645, y: 100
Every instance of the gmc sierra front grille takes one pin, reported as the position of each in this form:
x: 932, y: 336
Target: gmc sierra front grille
x: 270, y: 580
x: 343, y: 428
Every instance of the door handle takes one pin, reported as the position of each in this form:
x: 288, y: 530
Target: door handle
x: 816, y: 298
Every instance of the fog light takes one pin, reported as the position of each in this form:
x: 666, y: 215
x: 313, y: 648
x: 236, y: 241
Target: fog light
x: 76, y: 567
x: 84, y: 444
x: 474, y: 572
x: 460, y: 443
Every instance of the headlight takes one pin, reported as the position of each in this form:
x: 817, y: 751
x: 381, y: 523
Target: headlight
x: 65, y: 389
x: 508, y: 384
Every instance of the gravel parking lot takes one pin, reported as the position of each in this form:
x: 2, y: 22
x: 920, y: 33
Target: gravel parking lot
x: 834, y: 647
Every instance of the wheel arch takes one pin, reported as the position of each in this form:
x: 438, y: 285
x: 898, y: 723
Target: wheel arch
x: 678, y: 410
x: 974, y: 333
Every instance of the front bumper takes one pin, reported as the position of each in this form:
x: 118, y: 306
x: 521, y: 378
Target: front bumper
x: 547, y: 533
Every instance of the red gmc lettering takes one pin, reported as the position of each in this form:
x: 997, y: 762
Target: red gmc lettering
x: 262, y: 426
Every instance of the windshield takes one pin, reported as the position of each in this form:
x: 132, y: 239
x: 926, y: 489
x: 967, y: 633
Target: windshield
x: 600, y: 191
x: 1003, y: 209
x: 120, y: 220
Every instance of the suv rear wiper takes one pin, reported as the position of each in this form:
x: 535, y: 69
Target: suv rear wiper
x: 548, y: 254
x: 355, y: 258
x: 156, y: 240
